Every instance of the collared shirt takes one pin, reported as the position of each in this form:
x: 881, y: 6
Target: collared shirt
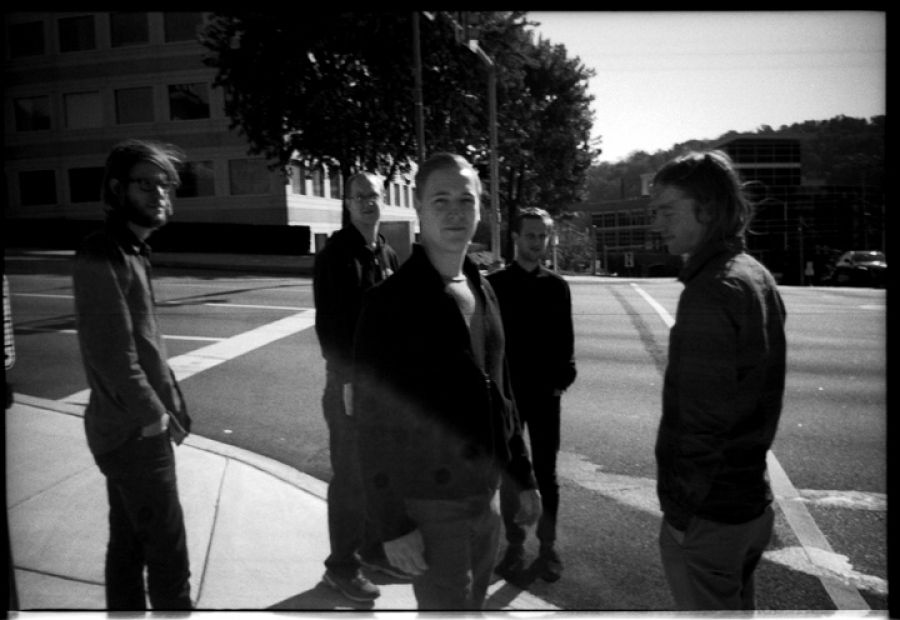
x: 344, y: 269
x: 121, y: 345
x: 537, y: 320
x: 723, y: 390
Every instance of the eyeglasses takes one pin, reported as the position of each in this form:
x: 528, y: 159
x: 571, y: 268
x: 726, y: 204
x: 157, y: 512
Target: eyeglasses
x: 367, y: 197
x: 149, y: 185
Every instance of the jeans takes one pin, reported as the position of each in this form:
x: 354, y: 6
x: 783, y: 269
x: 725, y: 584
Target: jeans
x: 541, y: 415
x: 349, y: 529
x: 712, y: 568
x: 461, y: 540
x: 146, y: 527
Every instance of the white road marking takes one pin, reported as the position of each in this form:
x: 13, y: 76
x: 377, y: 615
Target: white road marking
x: 75, y: 332
x: 640, y: 494
x: 813, y: 541
x: 662, y: 312
x: 212, y: 355
x: 255, y: 307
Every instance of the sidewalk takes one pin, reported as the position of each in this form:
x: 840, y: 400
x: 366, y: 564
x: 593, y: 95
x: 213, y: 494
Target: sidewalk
x: 257, y: 529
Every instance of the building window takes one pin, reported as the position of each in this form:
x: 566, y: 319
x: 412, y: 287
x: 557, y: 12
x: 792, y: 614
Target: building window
x: 182, y: 26
x: 32, y: 113
x: 197, y: 179
x: 128, y: 29
x: 134, y: 105
x: 77, y: 34
x: 37, y: 187
x: 85, y: 184
x: 298, y: 178
x: 318, y: 183
x: 334, y: 180
x: 396, y: 193
x: 26, y: 39
x: 188, y: 101
x: 83, y: 110
x: 406, y: 196
x: 248, y: 176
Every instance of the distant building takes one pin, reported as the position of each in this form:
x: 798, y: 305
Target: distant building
x: 76, y: 83
x: 799, y: 226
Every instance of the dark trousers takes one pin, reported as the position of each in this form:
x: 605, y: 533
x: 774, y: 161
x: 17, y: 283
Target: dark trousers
x: 712, y: 568
x: 349, y: 529
x: 540, y: 414
x: 146, y: 528
x: 461, y: 539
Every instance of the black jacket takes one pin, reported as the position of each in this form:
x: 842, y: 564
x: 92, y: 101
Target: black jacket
x: 723, y: 390
x: 344, y: 269
x: 537, y: 320
x: 432, y: 424
x: 122, y: 347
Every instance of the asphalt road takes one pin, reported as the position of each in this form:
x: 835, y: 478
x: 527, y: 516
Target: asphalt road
x: 266, y: 398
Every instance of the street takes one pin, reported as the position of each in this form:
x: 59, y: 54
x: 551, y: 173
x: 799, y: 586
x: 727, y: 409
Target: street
x: 252, y: 372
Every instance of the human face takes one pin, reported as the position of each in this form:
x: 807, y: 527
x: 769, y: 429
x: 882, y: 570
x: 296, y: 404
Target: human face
x: 365, y: 202
x: 146, y: 195
x: 531, y: 240
x: 449, y: 209
x: 677, y: 220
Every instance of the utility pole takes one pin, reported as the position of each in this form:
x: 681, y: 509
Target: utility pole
x: 461, y: 33
x: 417, y: 76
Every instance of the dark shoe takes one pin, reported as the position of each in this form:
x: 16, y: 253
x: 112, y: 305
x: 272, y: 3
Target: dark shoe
x: 550, y: 565
x: 381, y: 565
x: 356, y: 588
x: 513, y: 562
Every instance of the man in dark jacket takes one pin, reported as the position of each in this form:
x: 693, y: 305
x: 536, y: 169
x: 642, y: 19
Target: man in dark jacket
x: 722, y: 392
x: 136, y: 409
x: 355, y: 258
x: 540, y: 345
x: 432, y: 400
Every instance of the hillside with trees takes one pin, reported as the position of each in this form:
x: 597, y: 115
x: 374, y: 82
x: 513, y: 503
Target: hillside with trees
x: 841, y: 151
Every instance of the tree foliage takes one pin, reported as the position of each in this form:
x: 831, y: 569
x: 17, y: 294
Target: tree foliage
x: 338, y: 88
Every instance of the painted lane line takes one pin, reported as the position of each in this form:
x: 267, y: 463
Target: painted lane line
x: 662, y: 312
x: 811, y: 538
x: 255, y: 307
x: 207, y: 357
x: 47, y: 330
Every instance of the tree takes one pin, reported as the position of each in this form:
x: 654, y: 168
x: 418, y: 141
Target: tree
x: 337, y: 88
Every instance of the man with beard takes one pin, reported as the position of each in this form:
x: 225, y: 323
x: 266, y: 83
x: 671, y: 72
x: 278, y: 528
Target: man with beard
x: 536, y: 305
x: 355, y: 259
x: 136, y: 409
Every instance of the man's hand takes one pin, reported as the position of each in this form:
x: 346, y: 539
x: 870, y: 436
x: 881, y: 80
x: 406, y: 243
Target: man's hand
x: 176, y: 430
x: 157, y: 428
x: 348, y: 399
x: 529, y: 507
x: 407, y: 553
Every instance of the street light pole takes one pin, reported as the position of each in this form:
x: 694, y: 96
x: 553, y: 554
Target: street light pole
x: 495, y: 165
x: 417, y: 75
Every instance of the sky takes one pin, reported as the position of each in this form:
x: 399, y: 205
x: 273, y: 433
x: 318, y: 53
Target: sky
x: 662, y: 78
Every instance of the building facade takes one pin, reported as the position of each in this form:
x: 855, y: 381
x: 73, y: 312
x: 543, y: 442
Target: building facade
x: 77, y: 83
x: 800, y: 224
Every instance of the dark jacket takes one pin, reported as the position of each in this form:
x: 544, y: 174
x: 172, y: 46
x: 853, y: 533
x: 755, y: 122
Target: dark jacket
x: 121, y: 344
x: 343, y: 270
x: 723, y: 390
x: 432, y: 424
x: 537, y: 320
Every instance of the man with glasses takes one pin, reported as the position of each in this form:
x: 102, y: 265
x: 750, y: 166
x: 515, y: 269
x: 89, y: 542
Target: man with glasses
x: 354, y: 259
x: 136, y: 409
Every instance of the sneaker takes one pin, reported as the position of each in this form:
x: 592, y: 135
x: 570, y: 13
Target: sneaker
x: 513, y: 561
x: 356, y: 588
x: 550, y: 564
x: 381, y: 565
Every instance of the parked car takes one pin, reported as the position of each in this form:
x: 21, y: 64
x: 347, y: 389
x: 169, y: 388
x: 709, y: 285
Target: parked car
x: 860, y: 268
